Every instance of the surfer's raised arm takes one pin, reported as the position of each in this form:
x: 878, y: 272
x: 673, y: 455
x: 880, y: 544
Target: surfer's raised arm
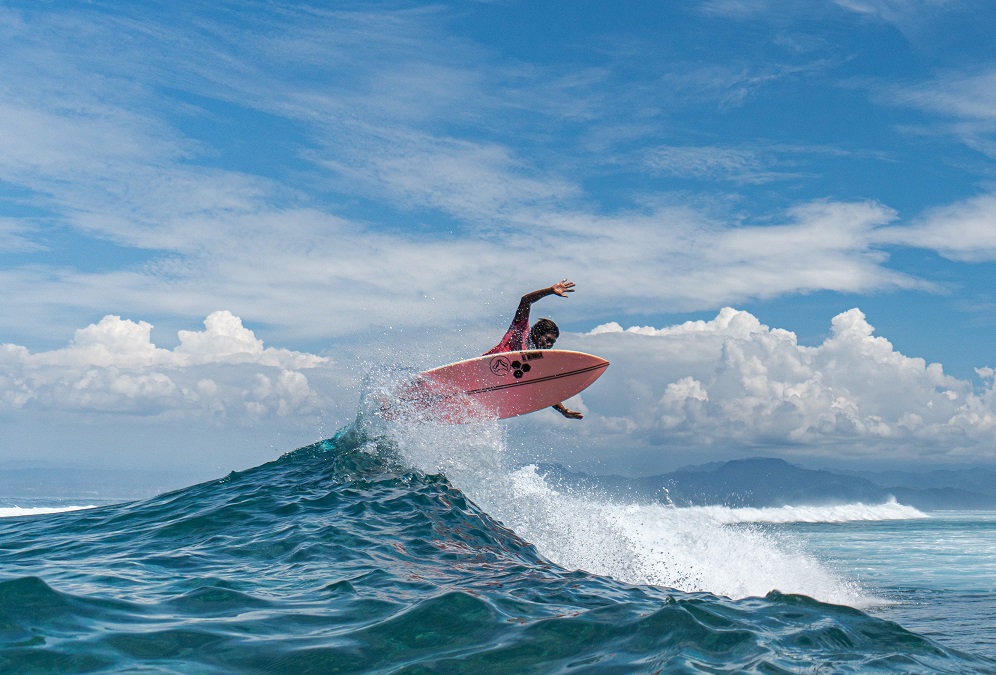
x: 561, y: 288
x: 519, y: 336
x: 542, y: 335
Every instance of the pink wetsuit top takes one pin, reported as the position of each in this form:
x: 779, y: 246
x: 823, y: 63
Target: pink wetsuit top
x: 516, y: 338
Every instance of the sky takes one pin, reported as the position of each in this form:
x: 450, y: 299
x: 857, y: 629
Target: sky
x: 219, y: 219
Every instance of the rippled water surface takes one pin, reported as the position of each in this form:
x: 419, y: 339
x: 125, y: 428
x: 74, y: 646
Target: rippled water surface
x: 387, y: 551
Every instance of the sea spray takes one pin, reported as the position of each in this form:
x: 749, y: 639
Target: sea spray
x: 661, y: 545
x: 689, y: 549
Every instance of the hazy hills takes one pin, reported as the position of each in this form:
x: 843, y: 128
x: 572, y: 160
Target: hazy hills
x: 757, y: 482
x: 764, y: 482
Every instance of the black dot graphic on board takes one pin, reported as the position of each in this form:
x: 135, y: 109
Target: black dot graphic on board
x: 526, y: 367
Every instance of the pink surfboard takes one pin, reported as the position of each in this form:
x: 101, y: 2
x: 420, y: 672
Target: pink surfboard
x: 503, y: 385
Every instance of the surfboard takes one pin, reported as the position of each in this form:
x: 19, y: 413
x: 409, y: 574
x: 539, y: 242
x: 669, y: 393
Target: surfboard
x: 498, y: 386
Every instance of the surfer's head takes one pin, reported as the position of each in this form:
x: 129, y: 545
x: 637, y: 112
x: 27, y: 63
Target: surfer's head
x: 544, y: 333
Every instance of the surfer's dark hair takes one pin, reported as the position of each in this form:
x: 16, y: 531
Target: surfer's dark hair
x: 545, y: 326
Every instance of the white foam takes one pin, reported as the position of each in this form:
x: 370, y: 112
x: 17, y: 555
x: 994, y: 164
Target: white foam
x: 838, y: 513
x: 715, y: 550
x: 688, y: 549
x: 15, y: 511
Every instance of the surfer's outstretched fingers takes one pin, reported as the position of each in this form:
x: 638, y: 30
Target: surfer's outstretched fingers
x: 563, y: 287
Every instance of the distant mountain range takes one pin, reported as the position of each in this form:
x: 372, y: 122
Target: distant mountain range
x: 757, y: 482
x: 765, y: 482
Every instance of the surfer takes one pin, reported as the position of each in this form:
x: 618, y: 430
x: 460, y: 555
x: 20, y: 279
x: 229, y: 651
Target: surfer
x: 542, y: 335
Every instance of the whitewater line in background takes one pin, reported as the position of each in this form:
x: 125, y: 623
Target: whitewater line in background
x: 836, y: 513
x: 15, y: 511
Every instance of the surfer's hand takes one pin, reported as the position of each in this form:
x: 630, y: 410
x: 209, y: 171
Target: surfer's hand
x: 567, y: 412
x: 562, y: 288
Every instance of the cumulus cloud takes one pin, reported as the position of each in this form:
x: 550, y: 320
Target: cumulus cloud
x: 727, y: 387
x: 113, y: 366
x: 733, y: 383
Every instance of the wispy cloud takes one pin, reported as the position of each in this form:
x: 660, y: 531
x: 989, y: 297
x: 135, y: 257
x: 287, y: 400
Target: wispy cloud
x: 736, y: 8
x: 739, y: 165
x: 964, y: 231
x: 387, y: 200
x: 909, y: 16
x: 16, y: 236
x: 730, y: 87
x: 966, y: 101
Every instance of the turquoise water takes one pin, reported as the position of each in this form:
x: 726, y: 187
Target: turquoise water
x: 418, y: 551
x: 935, y: 575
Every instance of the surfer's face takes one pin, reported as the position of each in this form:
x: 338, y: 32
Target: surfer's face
x: 544, y: 340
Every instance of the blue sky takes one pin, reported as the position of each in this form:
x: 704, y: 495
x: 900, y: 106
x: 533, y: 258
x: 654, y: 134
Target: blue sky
x: 341, y: 186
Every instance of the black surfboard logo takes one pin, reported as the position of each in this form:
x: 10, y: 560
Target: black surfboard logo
x: 501, y: 366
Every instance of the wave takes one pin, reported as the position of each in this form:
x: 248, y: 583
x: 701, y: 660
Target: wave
x: 692, y: 550
x: 683, y: 548
x: 348, y: 555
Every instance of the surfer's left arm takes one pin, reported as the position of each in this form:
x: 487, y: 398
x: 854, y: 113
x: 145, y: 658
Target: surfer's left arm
x: 567, y: 412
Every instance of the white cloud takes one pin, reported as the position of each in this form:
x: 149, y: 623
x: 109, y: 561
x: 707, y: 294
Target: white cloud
x: 967, y: 100
x: 910, y: 17
x: 730, y: 87
x: 113, y: 366
x: 226, y: 340
x: 738, y: 9
x: 476, y: 182
x: 756, y: 163
x: 94, y: 140
x: 964, y: 231
x: 817, y: 246
x: 344, y: 277
x: 722, y: 388
x: 15, y: 237
x: 970, y: 96
x: 729, y: 386
x: 705, y: 161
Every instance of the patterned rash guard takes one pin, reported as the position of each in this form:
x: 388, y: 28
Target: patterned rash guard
x: 516, y: 338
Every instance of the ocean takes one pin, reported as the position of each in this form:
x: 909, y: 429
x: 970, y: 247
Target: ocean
x: 417, y: 548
